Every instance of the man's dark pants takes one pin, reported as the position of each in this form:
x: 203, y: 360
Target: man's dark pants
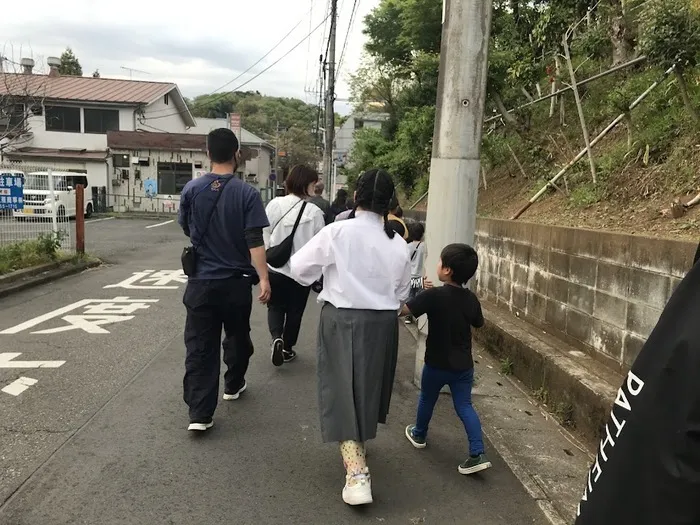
x: 211, y: 305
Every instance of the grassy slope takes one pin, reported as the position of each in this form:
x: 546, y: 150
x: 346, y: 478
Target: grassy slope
x: 634, y: 184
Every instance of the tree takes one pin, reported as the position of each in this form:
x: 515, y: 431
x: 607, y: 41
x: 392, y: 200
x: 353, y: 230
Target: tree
x: 20, y: 99
x: 70, y: 65
x: 670, y: 35
x: 96, y: 74
x: 263, y: 116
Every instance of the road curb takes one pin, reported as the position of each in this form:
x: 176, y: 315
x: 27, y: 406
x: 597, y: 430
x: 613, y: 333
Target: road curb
x: 519, y: 469
x: 33, y: 277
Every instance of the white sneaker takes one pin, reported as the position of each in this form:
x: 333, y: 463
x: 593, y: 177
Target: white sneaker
x: 358, y: 489
x: 235, y: 395
x: 200, y: 427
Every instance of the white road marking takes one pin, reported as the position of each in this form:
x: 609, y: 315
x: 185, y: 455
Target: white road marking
x: 160, y: 224
x: 20, y: 385
x: 99, y: 312
x: 100, y: 220
x: 6, y: 361
x: 159, y: 280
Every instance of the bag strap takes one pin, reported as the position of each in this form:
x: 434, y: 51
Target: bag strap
x: 296, y: 223
x: 415, y: 251
x: 213, y: 208
x: 287, y: 213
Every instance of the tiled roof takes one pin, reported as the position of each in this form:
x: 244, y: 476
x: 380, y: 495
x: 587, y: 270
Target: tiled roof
x: 86, y: 89
x: 57, y: 153
x: 135, y: 140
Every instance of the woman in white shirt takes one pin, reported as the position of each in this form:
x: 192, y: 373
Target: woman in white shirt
x: 366, y: 277
x: 285, y: 309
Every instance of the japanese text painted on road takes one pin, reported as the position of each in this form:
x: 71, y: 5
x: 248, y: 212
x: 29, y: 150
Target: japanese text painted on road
x: 88, y: 315
x: 11, y: 192
x: 152, y: 280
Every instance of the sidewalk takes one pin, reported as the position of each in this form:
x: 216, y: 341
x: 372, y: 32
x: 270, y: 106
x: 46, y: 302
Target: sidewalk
x: 263, y: 463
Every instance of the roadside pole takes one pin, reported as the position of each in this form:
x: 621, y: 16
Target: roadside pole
x: 54, y: 209
x: 330, y: 98
x: 455, y: 163
x: 79, y: 219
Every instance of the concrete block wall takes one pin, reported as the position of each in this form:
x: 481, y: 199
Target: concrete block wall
x: 600, y: 291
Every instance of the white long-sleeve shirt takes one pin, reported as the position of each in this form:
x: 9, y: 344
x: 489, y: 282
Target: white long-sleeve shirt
x: 416, y: 252
x: 281, y: 225
x: 362, y: 268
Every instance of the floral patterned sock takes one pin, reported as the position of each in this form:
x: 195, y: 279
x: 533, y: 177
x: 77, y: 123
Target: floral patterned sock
x: 353, y: 453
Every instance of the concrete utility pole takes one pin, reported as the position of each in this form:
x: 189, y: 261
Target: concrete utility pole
x: 330, y: 98
x: 455, y: 163
x: 277, y: 160
x: 454, y: 168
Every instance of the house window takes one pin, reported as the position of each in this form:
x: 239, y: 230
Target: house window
x: 359, y: 124
x: 166, y: 99
x: 120, y: 160
x: 13, y: 117
x: 63, y: 118
x: 101, y: 120
x: 172, y: 177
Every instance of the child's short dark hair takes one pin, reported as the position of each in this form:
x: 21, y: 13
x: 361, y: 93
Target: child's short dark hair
x: 462, y: 259
x: 416, y: 231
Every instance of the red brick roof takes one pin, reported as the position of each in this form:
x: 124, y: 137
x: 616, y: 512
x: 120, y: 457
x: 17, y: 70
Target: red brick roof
x: 136, y: 140
x: 84, y: 89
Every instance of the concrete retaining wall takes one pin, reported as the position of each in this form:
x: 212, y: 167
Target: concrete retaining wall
x: 601, y: 291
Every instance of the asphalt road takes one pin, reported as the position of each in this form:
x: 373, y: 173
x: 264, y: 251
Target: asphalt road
x: 105, y: 237
x: 101, y: 439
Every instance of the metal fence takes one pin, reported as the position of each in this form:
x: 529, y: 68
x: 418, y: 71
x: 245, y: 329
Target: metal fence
x: 38, y: 204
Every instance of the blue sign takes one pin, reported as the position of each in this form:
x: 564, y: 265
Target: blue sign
x: 151, y: 188
x: 273, y: 176
x: 11, y: 193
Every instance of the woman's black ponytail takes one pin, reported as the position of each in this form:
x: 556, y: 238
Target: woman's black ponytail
x: 387, y: 227
x: 375, y: 190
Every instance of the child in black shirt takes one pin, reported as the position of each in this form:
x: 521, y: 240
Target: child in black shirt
x: 452, y: 312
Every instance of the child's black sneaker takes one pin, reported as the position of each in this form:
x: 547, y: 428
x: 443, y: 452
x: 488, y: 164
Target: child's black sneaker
x: 474, y: 464
x: 416, y: 441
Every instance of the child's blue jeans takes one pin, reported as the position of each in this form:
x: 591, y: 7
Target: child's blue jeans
x: 460, y: 383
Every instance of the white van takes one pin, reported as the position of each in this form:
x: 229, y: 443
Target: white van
x: 38, y: 202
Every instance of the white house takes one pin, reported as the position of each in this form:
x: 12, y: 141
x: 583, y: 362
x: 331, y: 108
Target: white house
x: 345, y: 134
x: 118, y: 132
x: 345, y: 138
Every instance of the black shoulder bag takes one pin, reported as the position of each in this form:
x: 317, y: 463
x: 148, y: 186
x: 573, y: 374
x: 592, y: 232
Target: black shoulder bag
x: 278, y: 256
x: 189, y: 253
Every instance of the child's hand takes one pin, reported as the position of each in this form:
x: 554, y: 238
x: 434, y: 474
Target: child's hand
x: 427, y: 284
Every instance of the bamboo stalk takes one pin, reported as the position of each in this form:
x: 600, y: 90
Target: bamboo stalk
x: 595, y: 141
x: 581, y: 83
x: 579, y: 107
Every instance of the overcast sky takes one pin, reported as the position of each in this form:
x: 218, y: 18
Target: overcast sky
x: 200, y: 47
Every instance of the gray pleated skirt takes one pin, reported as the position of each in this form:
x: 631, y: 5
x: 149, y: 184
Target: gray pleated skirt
x: 357, y: 353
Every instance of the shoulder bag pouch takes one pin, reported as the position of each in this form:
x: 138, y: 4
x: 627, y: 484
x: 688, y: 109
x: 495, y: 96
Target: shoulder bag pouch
x: 278, y: 256
x: 189, y: 253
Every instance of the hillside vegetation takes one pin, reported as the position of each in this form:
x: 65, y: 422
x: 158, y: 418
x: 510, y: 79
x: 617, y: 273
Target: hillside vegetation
x: 650, y: 161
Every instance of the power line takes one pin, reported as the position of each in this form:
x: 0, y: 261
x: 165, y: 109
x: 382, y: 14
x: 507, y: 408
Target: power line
x: 308, y: 49
x: 261, y: 59
x: 347, y: 35
x: 256, y: 63
x: 222, y: 95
